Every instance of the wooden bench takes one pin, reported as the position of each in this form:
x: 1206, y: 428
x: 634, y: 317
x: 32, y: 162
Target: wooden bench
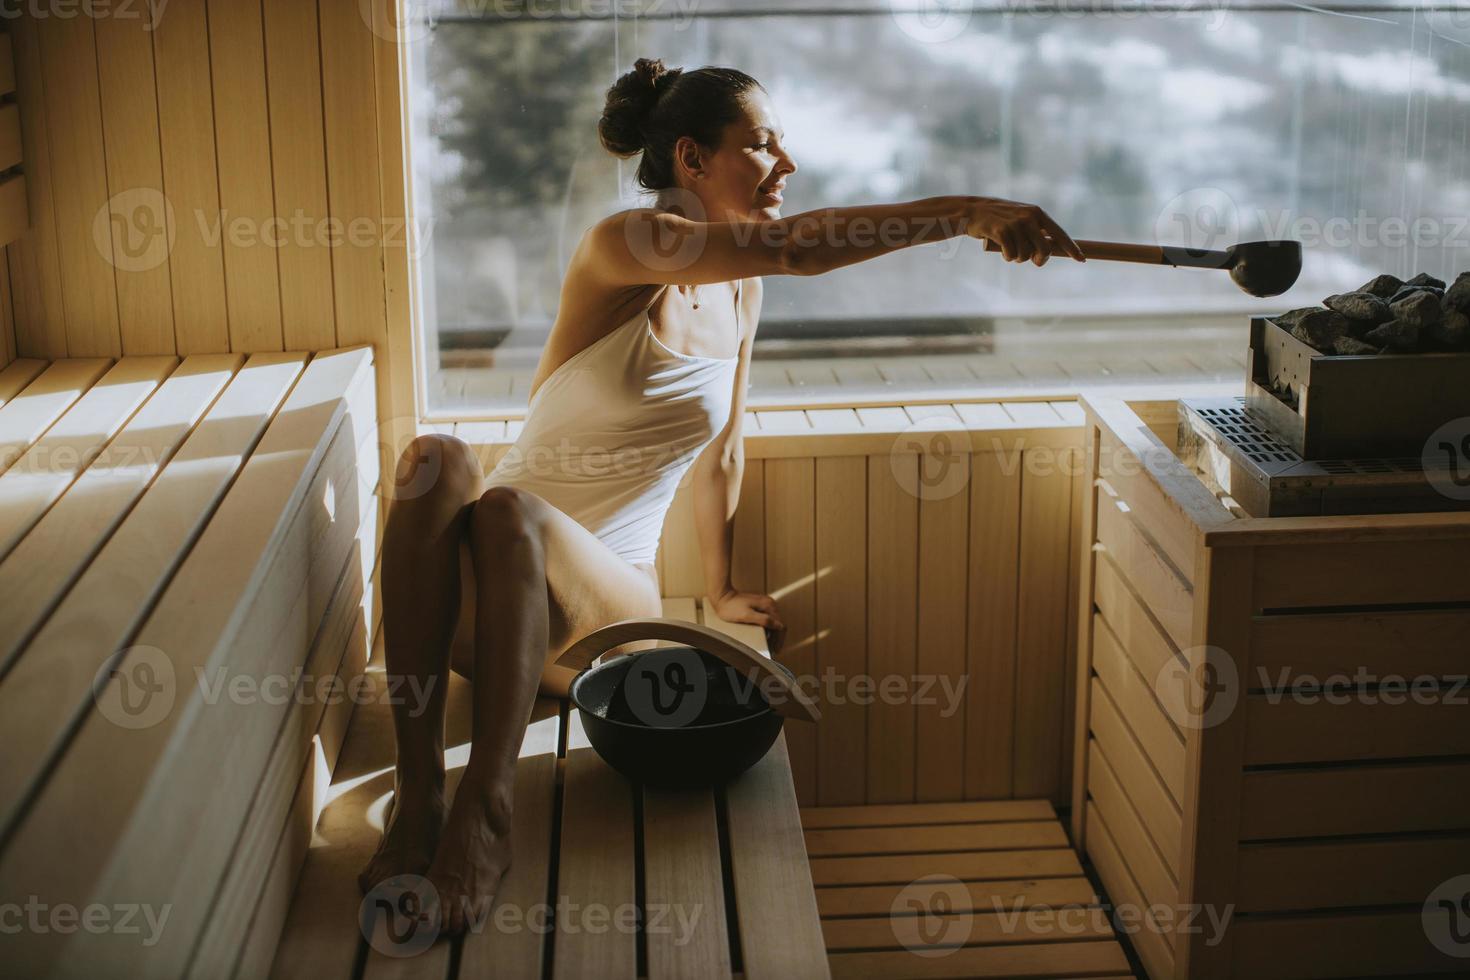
x: 719, y: 879
x: 973, y: 889
x: 185, y: 551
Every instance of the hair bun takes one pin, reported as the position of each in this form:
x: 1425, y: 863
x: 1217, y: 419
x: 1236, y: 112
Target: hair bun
x: 630, y: 100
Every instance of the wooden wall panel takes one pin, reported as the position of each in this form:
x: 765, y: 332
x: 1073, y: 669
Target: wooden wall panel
x: 941, y: 657
x: 995, y: 534
x: 294, y: 83
x: 246, y: 192
x: 191, y: 175
x: 842, y: 612
x: 136, y: 214
x: 73, y: 113
x: 893, y: 536
x: 790, y: 574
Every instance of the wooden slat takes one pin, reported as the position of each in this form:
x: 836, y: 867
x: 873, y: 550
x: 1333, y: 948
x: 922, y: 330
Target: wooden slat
x: 964, y: 930
x: 842, y: 611
x: 775, y: 905
x: 45, y: 688
x: 39, y: 478
x: 7, y: 66
x: 979, y: 896
x: 517, y: 949
x: 14, y: 211
x: 748, y: 556
x: 246, y: 195
x: 928, y: 838
x: 17, y: 375
x: 1291, y: 731
x: 10, y: 144
x: 1142, y: 785
x: 994, y: 557
x: 912, y: 814
x: 1353, y: 800
x: 28, y: 415
x: 790, y: 490
x: 684, y: 898
x: 1032, y: 413
x: 1149, y: 649
x: 252, y: 556
x: 893, y: 530
x: 1147, y: 866
x: 941, y: 654
x: 890, y: 869
x: 299, y: 172
x: 1329, y: 874
x: 1047, y: 960
x: 1366, y: 573
x: 191, y: 174
x: 1083, y: 617
x: 78, y: 170
x: 595, y: 868
x: 138, y: 214
x: 34, y: 259
x: 1165, y: 591
x: 1134, y: 695
x: 1041, y: 618
x: 1348, y: 945
x: 1402, y: 644
x: 1148, y: 937
x: 681, y: 565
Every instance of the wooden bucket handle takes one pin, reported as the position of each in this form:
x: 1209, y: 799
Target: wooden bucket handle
x: 795, y: 704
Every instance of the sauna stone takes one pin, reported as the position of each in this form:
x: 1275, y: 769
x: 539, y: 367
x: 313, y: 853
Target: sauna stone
x: 1319, y: 328
x: 1396, y: 335
x: 1408, y: 291
x: 1383, y: 286
x: 1352, y: 345
x: 1452, y: 330
x: 1361, y: 307
x: 1458, y: 295
x: 1421, y: 309
x: 1425, y: 279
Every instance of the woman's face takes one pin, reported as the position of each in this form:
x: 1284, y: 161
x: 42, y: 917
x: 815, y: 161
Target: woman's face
x: 743, y: 179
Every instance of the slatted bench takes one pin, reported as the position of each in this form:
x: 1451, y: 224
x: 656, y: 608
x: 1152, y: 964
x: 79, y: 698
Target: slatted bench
x: 719, y: 878
x: 976, y: 889
x: 185, y: 552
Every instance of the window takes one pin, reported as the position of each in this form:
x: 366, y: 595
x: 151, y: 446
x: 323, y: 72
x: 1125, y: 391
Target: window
x: 1343, y: 125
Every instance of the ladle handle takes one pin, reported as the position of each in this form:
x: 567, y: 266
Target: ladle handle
x: 578, y: 656
x: 1200, y: 258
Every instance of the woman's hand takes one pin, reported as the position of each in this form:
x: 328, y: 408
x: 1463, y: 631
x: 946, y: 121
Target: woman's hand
x: 756, y: 609
x: 1024, y: 232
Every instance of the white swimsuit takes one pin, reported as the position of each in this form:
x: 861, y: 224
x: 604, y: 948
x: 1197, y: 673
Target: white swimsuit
x: 611, y: 432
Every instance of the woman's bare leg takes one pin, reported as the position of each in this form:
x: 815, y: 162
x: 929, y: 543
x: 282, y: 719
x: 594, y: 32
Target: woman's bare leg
x: 542, y: 581
x: 436, y: 484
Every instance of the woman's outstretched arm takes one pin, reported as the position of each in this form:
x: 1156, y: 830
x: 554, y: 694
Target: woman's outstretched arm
x: 644, y: 246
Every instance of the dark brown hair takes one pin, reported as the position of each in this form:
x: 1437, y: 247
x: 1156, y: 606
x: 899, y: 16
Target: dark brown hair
x: 650, y: 107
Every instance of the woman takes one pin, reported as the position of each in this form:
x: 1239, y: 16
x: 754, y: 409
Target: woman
x: 643, y: 376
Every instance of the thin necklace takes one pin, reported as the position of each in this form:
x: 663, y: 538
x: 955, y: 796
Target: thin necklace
x: 696, y: 297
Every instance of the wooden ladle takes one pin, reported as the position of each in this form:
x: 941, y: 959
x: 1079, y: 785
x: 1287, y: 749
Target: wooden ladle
x: 1266, y: 268
x: 787, y: 699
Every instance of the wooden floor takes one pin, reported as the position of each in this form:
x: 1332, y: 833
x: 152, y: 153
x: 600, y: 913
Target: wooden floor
x: 987, y: 889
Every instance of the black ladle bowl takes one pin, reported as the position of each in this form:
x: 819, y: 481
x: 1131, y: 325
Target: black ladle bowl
x: 675, y: 717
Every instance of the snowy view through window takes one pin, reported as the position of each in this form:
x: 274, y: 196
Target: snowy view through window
x: 1345, y: 126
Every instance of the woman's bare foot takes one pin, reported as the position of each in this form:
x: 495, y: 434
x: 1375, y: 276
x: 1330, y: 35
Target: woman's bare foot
x: 473, y: 855
x: 414, y: 822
